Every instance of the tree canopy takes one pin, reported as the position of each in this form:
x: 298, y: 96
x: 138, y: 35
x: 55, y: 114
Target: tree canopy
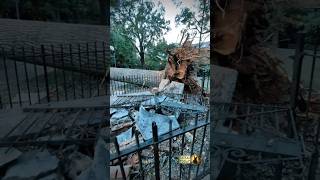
x: 141, y: 22
x: 196, y: 21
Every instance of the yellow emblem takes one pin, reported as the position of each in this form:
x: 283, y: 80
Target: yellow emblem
x: 186, y: 159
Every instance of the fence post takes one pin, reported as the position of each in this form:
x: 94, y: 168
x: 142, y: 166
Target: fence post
x: 72, y: 74
x: 156, y: 150
x: 203, y: 79
x: 63, y: 73
x: 36, y: 72
x: 80, y: 68
x: 7, y: 77
x: 26, y: 74
x: 97, y: 69
x: 55, y: 70
x: 17, y: 77
x: 170, y: 147
x: 139, y: 155
x: 119, y: 159
x: 45, y: 71
x: 297, y: 65
x: 1, y: 106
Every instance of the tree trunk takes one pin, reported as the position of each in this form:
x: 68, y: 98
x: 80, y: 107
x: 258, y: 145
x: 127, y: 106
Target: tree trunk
x: 142, y: 59
x: 141, y: 53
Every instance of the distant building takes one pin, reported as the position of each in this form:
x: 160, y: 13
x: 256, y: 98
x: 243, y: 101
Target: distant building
x: 203, y: 45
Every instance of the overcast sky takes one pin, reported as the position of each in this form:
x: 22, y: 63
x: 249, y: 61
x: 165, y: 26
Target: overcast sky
x: 174, y: 35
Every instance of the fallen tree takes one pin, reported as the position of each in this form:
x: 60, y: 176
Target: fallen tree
x: 184, y: 64
x: 239, y: 36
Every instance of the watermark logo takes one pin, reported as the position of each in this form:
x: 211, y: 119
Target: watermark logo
x: 187, y: 159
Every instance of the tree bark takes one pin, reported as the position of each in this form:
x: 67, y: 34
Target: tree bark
x: 141, y: 53
x: 142, y: 59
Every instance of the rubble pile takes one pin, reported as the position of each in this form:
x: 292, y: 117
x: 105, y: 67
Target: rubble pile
x: 243, y: 32
x: 133, y: 114
x: 51, y: 164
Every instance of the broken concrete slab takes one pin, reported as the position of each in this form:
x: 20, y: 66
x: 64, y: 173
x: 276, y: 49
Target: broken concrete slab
x: 174, y: 88
x: 8, y: 155
x: 32, y: 165
x: 155, y: 100
x: 163, y: 84
x: 145, y: 119
x: 125, y: 136
x: 120, y: 113
x: 98, y: 169
x: 113, y: 110
x: 224, y: 83
x: 172, y: 103
x: 120, y: 126
x: 115, y: 172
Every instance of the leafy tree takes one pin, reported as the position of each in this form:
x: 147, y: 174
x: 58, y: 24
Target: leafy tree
x: 196, y: 20
x: 125, y: 55
x: 157, y: 56
x: 142, y: 22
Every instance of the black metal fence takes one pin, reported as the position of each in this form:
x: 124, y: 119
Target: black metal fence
x: 159, y: 157
x: 256, y: 140
x: 136, y: 84
x: 47, y: 73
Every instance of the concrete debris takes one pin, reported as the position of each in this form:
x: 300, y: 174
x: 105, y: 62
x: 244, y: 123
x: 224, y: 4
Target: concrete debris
x: 97, y: 171
x: 120, y: 114
x: 115, y: 172
x: 113, y: 110
x: 155, y: 100
x: 189, y: 137
x: 174, y: 88
x: 121, y: 126
x: 144, y: 123
x: 77, y: 164
x: 32, y: 165
x: 163, y: 84
x: 179, y: 105
x: 8, y: 155
x: 125, y: 136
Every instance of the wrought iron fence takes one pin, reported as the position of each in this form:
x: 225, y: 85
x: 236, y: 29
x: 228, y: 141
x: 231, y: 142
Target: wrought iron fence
x: 159, y: 156
x: 256, y: 141
x: 47, y: 73
x: 135, y: 84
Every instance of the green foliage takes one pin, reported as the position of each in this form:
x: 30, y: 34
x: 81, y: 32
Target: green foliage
x: 125, y: 55
x: 157, y: 57
x: 195, y: 20
x: 142, y: 23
